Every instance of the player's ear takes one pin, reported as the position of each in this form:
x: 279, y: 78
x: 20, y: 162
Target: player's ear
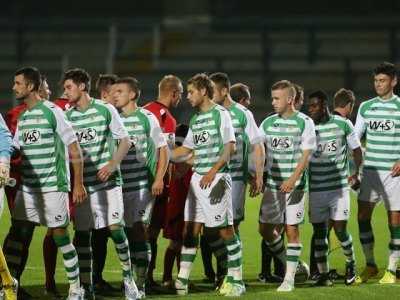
x: 82, y: 86
x: 394, y: 81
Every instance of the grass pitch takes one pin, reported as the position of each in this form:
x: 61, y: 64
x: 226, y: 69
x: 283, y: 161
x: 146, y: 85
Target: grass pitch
x: 33, y: 277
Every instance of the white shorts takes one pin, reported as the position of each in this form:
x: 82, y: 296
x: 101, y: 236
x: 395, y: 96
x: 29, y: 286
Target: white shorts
x: 282, y: 208
x: 138, y: 206
x: 329, y: 205
x: 101, y: 209
x: 377, y: 186
x: 49, y: 209
x: 211, y: 206
x: 238, y: 198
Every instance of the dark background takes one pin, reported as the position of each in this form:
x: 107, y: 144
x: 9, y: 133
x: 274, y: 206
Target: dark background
x: 317, y: 44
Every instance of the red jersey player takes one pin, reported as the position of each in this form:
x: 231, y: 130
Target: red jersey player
x: 170, y: 92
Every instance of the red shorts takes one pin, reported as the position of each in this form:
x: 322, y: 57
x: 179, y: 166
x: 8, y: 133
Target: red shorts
x: 174, y: 223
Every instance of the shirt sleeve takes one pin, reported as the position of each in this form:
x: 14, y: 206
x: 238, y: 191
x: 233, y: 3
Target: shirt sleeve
x: 226, y: 128
x: 156, y: 133
x: 361, y: 125
x: 15, y: 141
x: 5, y: 141
x: 352, y: 139
x: 252, y: 131
x: 262, y: 132
x: 308, y: 137
x: 63, y: 127
x: 188, y: 142
x: 116, y: 125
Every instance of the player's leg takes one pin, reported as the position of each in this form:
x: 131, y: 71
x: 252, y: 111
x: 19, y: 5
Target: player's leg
x: 191, y: 234
x: 110, y: 213
x: 319, y: 209
x: 137, y: 214
x: 56, y: 216
x: 294, y: 214
x: 25, y: 215
x: 141, y: 253
x: 173, y: 251
x: 367, y: 199
x: 339, y: 215
x: 206, y: 257
x: 394, y: 247
x: 218, y: 247
x: 392, y: 190
x: 83, y: 225
x: 99, y: 247
x: 216, y: 202
x: 194, y: 219
x: 50, y: 262
x: 156, y: 224
x: 270, y: 223
x: 9, y: 284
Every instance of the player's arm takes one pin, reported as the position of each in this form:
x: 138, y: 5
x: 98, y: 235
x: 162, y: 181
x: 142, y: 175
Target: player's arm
x: 257, y: 153
x: 228, y: 138
x: 162, y: 149
x: 308, y: 144
x: 75, y: 154
x: 361, y: 125
x: 5, y: 152
x: 68, y: 136
x: 120, y: 133
x: 354, y: 144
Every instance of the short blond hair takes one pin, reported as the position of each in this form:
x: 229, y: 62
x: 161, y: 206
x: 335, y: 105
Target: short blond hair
x: 285, y: 84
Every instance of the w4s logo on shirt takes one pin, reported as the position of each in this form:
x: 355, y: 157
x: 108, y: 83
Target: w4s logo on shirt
x: 201, y: 138
x: 31, y: 137
x: 86, y: 136
x: 381, y: 125
x: 282, y: 143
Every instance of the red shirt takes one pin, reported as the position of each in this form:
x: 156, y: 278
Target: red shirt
x: 165, y: 118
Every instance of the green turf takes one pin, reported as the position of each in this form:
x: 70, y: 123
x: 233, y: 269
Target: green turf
x: 33, y: 277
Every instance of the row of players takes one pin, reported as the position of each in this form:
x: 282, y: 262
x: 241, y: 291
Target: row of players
x: 214, y: 132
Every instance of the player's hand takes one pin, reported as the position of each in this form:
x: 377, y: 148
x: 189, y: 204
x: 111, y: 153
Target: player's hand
x: 4, y: 174
x: 157, y: 187
x: 256, y: 186
x: 354, y: 182
x: 207, y: 180
x: 105, y: 172
x: 396, y: 169
x: 287, y: 186
x: 79, y: 193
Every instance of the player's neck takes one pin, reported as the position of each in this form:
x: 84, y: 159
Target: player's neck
x: 130, y: 108
x: 387, y: 96
x: 228, y: 102
x: 164, y: 101
x: 341, y: 111
x: 206, y: 105
x: 288, y: 113
x: 83, y: 102
x: 32, y: 100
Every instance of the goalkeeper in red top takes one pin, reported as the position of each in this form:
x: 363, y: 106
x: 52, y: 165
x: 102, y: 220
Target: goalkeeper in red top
x: 170, y: 92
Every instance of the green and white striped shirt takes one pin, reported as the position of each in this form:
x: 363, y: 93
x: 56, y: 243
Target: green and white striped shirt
x: 97, y: 128
x: 286, y: 139
x: 43, y: 135
x: 208, y: 133
x: 246, y: 134
x: 380, y: 120
x: 329, y: 163
x: 139, y: 166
